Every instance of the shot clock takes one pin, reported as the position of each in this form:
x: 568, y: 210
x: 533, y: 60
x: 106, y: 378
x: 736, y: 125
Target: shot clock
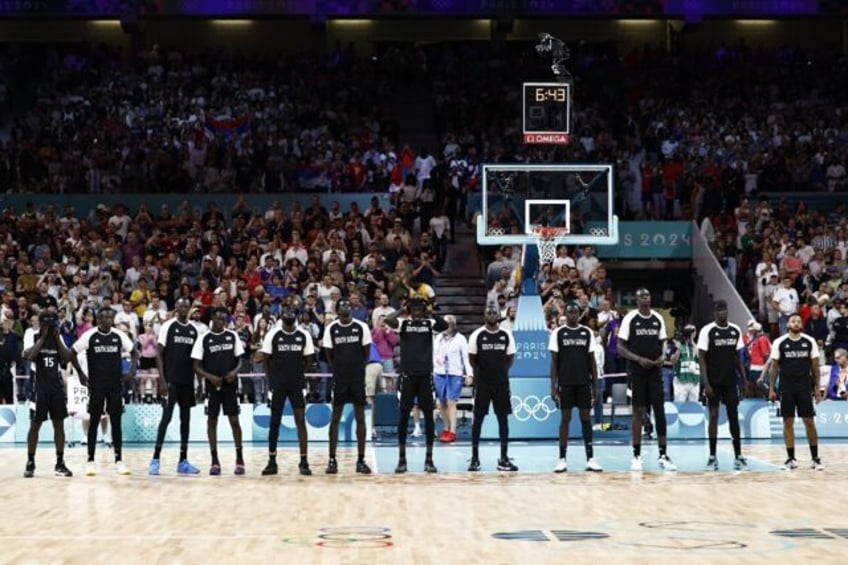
x: 547, y: 112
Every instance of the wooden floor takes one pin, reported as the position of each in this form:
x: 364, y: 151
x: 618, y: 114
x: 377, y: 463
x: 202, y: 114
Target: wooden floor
x: 453, y: 517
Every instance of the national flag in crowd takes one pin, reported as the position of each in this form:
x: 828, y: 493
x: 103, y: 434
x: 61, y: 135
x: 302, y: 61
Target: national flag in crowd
x: 227, y: 127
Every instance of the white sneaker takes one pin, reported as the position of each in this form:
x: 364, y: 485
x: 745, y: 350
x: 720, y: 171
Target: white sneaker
x: 666, y: 464
x: 416, y: 432
x: 593, y: 465
x: 790, y: 464
x: 816, y: 465
x: 636, y: 464
x: 561, y: 466
x: 122, y: 468
x: 90, y: 469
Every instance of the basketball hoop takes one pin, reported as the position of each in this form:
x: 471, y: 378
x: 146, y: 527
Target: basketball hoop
x: 547, y: 241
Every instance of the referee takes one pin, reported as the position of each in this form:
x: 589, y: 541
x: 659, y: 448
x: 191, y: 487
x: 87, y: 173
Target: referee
x: 640, y: 341
x: 416, y: 334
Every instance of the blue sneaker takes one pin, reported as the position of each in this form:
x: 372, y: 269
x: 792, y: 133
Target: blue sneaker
x: 186, y: 468
x: 153, y: 469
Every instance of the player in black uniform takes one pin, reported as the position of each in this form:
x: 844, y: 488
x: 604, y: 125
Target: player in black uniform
x: 640, y: 341
x: 176, y: 382
x: 718, y: 353
x: 104, y: 347
x: 287, y: 352
x: 416, y: 365
x: 347, y: 343
x: 491, y: 351
x: 797, y: 356
x: 49, y: 354
x: 574, y: 381
x: 216, y: 358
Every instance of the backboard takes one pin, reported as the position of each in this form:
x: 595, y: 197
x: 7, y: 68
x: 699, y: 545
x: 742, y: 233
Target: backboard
x: 516, y: 197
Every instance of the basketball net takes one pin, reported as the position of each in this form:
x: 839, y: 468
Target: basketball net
x: 547, y: 241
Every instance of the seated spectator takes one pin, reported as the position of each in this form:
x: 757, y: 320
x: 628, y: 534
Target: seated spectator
x: 836, y: 389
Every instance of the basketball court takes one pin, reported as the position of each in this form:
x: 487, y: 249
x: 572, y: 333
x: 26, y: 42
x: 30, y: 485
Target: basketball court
x: 757, y: 516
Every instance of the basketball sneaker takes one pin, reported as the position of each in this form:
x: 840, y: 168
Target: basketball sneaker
x: 712, y: 464
x: 240, y: 469
x: 60, y: 470
x: 474, y: 465
x: 416, y: 431
x: 153, y: 468
x: 636, y: 464
x: 270, y: 468
x: 445, y: 436
x: 400, y: 468
x: 90, y: 469
x: 122, y: 469
x: 29, y: 472
x: 186, y: 468
x: 740, y: 463
x: 429, y: 467
x: 506, y: 464
x: 593, y: 465
x: 303, y: 468
x: 816, y: 465
x: 561, y: 466
x: 332, y: 466
x: 666, y: 464
x: 790, y: 464
x: 362, y: 467
x: 215, y: 469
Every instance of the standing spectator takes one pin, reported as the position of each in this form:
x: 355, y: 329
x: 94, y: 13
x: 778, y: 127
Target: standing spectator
x: 451, y: 369
x: 104, y: 347
x: 786, y: 300
x: 491, y: 351
x: 9, y: 354
x: 796, y: 355
x: 216, y: 359
x: 687, y: 381
x: 640, y: 341
x: 758, y: 347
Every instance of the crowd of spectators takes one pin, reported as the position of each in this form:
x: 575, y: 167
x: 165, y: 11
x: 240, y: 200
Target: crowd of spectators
x: 138, y: 262
x: 169, y: 121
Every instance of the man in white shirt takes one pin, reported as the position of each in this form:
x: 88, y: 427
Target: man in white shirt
x: 786, y: 299
x: 128, y: 316
x: 563, y: 258
x: 296, y: 250
x: 382, y: 310
x: 587, y: 264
